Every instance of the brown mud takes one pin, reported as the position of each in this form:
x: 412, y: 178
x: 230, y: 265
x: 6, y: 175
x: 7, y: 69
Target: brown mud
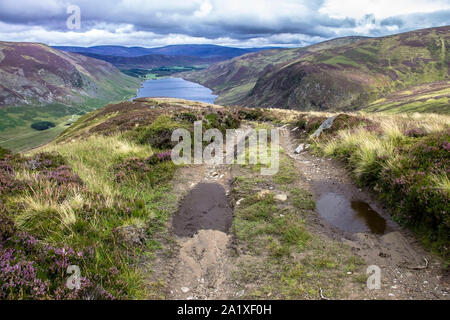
x: 206, y: 207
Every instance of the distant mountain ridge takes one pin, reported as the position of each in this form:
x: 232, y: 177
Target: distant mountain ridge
x: 341, y: 74
x: 152, y: 60
x: 192, y: 50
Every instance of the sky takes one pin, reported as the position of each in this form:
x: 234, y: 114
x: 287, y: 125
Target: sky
x: 237, y: 23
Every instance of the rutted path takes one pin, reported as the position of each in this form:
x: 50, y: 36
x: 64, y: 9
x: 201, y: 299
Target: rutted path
x: 200, y: 263
x: 395, y: 250
x: 202, y: 268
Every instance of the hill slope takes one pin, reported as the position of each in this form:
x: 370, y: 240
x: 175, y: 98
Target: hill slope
x: 234, y: 79
x: 32, y: 73
x: 38, y: 83
x: 105, y: 197
x: 342, y: 76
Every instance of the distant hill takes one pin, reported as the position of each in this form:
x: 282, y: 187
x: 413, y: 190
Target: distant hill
x: 152, y: 61
x: 345, y: 73
x: 192, y: 50
x: 204, y: 51
x: 107, y: 50
x: 33, y: 73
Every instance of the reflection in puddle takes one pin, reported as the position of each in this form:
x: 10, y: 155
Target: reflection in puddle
x: 352, y: 216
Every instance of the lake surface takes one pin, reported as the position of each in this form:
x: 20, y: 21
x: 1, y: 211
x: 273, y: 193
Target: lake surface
x: 176, y: 88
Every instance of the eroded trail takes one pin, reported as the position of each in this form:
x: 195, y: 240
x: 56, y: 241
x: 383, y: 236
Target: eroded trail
x: 202, y: 268
x: 352, y: 215
x: 201, y: 229
x: 204, y: 257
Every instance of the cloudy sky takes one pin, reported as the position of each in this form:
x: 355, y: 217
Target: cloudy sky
x: 240, y: 23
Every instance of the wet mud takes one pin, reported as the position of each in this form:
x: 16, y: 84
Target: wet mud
x: 206, y: 207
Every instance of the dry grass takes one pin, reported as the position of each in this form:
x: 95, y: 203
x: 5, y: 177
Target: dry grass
x: 93, y: 157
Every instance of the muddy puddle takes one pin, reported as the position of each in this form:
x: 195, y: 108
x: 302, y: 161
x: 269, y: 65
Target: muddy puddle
x: 206, y: 207
x: 351, y: 216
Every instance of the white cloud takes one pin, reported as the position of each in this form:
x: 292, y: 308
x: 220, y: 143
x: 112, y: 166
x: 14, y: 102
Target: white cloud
x: 380, y: 8
x: 228, y: 22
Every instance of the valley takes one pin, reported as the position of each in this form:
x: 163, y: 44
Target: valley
x: 42, y: 84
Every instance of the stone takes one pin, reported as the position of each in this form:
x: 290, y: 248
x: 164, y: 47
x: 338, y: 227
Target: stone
x: 130, y: 236
x: 325, y: 125
x: 281, y: 197
x: 302, y: 147
x: 263, y: 193
x: 185, y: 289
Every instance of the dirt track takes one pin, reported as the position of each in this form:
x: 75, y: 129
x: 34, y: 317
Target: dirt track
x: 202, y: 262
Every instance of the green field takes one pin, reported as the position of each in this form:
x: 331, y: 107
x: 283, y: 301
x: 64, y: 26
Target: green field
x: 16, y: 133
x: 155, y: 73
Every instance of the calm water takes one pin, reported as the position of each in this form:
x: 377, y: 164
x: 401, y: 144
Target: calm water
x: 353, y: 216
x: 176, y: 88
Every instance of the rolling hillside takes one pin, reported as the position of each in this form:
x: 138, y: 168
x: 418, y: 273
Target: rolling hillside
x: 38, y: 83
x: 234, y: 79
x: 346, y: 74
x: 32, y: 73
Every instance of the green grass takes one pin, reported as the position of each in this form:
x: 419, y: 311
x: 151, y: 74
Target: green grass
x: 342, y: 60
x: 286, y: 261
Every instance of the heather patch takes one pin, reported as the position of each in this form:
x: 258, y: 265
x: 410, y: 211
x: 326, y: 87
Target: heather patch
x: 411, y: 184
x: 8, y: 182
x: 7, y: 227
x: 159, y: 133
x: 221, y: 120
x: 255, y: 115
x: 44, y: 161
x: 30, y: 269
